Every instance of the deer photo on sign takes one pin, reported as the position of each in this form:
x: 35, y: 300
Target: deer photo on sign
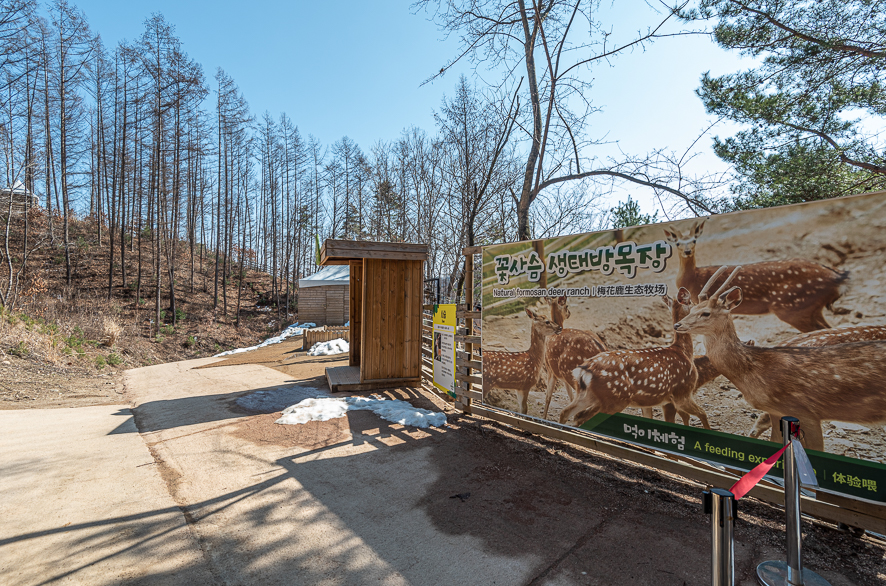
x: 729, y: 322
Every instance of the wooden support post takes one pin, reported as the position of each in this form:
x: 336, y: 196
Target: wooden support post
x: 469, y: 306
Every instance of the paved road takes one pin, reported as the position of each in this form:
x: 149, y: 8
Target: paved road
x: 83, y: 503
x: 338, y: 502
x: 188, y: 488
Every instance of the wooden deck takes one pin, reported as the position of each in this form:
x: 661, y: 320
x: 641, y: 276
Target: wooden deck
x: 343, y: 379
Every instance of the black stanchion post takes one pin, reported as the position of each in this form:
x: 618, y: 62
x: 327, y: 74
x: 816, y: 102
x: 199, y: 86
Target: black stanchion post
x: 779, y: 573
x: 720, y: 504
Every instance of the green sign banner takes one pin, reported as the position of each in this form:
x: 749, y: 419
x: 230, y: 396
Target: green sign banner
x: 849, y: 476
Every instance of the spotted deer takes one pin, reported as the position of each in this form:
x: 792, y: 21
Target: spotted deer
x: 820, y: 338
x: 796, y: 291
x: 519, y: 371
x: 841, y: 382
x: 706, y: 373
x: 612, y: 381
x: 844, y: 335
x: 565, y: 352
x: 572, y: 348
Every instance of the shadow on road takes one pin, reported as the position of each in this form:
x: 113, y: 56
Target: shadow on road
x: 357, y: 501
x: 163, y: 414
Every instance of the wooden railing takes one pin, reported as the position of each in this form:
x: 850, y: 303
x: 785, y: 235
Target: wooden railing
x: 325, y: 334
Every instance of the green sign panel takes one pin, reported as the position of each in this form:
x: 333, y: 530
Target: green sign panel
x: 850, y: 476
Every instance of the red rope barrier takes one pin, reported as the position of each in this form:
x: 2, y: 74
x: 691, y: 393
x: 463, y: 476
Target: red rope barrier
x: 750, y: 480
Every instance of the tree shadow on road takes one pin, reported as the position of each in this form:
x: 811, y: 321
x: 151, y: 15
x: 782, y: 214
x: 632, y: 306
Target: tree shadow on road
x: 358, y: 500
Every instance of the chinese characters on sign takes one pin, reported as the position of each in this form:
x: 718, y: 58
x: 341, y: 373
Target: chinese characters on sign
x: 855, y: 481
x: 644, y: 290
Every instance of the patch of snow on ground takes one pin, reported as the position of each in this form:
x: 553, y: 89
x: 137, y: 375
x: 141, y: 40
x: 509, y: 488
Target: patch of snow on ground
x: 392, y: 410
x: 314, y: 410
x: 274, y: 399
x: 293, y: 330
x: 337, y: 346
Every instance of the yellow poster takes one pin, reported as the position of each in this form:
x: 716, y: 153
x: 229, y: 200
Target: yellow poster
x: 444, y: 347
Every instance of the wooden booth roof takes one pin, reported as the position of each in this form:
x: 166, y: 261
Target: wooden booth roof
x: 339, y: 252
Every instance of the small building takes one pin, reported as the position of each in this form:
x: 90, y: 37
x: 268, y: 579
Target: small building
x: 19, y: 196
x: 323, y: 298
x: 385, y: 313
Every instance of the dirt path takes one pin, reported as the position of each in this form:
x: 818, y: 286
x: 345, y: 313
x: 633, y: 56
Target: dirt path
x: 83, y: 503
x: 32, y: 384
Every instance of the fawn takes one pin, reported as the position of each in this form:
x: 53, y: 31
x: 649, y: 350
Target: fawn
x: 841, y: 382
x: 519, y: 371
x: 615, y: 380
x: 823, y: 338
x: 565, y: 352
x: 795, y: 291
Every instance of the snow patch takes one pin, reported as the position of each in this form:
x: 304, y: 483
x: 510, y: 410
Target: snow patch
x: 393, y: 410
x: 274, y: 399
x: 293, y: 330
x: 337, y: 346
x: 322, y: 409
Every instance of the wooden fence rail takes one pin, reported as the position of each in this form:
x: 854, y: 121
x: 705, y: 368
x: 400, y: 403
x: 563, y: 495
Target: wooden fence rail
x: 325, y: 334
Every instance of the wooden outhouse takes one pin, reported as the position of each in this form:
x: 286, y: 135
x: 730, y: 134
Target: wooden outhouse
x: 385, y: 310
x: 323, y: 297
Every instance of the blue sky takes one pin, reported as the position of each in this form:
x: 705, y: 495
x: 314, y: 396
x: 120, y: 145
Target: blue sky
x: 355, y: 68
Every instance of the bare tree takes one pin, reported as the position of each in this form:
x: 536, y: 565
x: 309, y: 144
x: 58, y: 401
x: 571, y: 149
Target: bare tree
x: 71, y: 51
x: 547, y: 41
x: 475, y: 131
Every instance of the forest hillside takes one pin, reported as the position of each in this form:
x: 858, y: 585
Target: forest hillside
x: 55, y: 331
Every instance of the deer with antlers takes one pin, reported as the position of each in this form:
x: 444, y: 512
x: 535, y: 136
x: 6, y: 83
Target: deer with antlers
x: 519, y: 371
x: 832, y: 337
x: 612, y: 381
x: 841, y: 382
x: 565, y: 352
x: 796, y: 291
x: 571, y: 348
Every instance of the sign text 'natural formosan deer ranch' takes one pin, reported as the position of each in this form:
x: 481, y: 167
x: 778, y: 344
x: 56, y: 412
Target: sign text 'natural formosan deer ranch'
x: 728, y: 322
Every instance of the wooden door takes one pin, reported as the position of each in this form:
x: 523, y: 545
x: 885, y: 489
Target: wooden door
x: 355, y: 311
x: 391, y: 328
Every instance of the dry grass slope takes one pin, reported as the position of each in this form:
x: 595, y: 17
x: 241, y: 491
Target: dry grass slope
x: 60, y: 332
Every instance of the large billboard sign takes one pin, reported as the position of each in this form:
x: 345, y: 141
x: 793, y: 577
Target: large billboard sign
x: 725, y: 324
